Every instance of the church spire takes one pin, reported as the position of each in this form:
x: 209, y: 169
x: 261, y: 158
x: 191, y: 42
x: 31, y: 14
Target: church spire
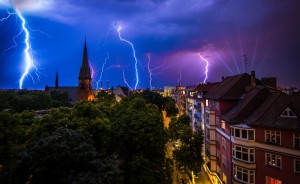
x: 56, y: 79
x: 85, y: 72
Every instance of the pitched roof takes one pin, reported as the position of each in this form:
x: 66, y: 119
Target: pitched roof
x: 249, y: 102
x: 231, y: 88
x: 206, y: 87
x: 85, y: 72
x: 269, y: 113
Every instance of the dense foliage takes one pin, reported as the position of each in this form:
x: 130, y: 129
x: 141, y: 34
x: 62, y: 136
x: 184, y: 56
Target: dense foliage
x: 91, y: 142
x: 189, y: 152
x: 163, y: 103
x: 18, y: 101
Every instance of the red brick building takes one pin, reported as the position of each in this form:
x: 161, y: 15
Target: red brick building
x: 251, y: 132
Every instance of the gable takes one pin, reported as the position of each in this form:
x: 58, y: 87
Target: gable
x: 288, y: 113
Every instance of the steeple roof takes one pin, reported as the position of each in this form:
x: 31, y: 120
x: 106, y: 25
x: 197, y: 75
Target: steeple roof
x: 85, y: 72
x: 56, y: 79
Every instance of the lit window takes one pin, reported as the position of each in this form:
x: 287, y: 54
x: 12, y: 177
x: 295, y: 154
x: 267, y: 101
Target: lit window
x: 243, y: 175
x: 270, y: 180
x: 243, y: 153
x: 272, y: 137
x: 224, y: 143
x: 223, y: 124
x: 297, y: 166
x: 273, y: 160
x: 206, y: 103
x: 297, y: 141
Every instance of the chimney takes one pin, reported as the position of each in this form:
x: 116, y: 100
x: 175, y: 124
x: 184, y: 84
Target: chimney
x: 253, y: 80
x: 223, y: 78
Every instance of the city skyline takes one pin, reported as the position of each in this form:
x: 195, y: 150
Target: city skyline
x: 168, y: 34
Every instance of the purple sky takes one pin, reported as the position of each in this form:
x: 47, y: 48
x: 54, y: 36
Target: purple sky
x: 173, y: 32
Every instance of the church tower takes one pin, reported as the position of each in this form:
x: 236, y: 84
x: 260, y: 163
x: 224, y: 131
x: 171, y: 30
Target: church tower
x: 56, y: 80
x: 84, y: 91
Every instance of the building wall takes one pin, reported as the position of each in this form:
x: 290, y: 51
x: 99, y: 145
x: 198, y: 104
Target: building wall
x: 286, y: 173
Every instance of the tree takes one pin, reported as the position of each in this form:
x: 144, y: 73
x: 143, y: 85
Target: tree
x: 106, y: 98
x: 170, y: 107
x: 177, y: 125
x: 65, y: 156
x: 189, y: 153
x: 60, y: 99
x: 139, y: 138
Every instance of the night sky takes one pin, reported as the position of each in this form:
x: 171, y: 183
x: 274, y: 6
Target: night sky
x: 171, y: 32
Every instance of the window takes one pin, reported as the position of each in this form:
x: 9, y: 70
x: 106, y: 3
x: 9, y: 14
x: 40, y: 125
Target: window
x: 251, y: 134
x: 297, y: 141
x: 224, y: 143
x: 218, y: 154
x: 218, y: 138
x: 243, y: 153
x: 223, y: 125
x: 207, y: 134
x: 243, y: 133
x: 288, y: 113
x: 297, y: 166
x: 270, y: 180
x: 224, y: 161
x: 206, y: 103
x: 217, y: 122
x: 273, y: 160
x: 272, y: 137
x: 243, y: 175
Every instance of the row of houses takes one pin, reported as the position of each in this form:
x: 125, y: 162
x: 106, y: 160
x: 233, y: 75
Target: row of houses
x: 251, y: 129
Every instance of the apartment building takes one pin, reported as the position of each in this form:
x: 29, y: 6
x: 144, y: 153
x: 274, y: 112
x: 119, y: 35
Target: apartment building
x: 251, y: 132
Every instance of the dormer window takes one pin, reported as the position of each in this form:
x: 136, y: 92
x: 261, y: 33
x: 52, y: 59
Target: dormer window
x: 288, y: 113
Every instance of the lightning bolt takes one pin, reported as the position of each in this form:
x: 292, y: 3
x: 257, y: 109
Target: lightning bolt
x: 150, y: 72
x: 126, y: 81
x: 113, y: 66
x: 134, y: 55
x: 27, y: 51
x: 16, y: 36
x: 93, y: 71
x: 206, y: 67
x: 100, y: 78
x: 28, y: 56
x: 7, y: 17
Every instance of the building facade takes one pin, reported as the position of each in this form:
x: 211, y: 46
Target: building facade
x: 251, y: 132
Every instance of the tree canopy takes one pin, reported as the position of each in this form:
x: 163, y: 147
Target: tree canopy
x: 92, y: 142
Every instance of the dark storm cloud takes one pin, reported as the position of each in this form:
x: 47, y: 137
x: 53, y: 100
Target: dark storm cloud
x: 222, y: 30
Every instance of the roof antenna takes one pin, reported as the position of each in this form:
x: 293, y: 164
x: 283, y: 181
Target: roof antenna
x: 245, y: 62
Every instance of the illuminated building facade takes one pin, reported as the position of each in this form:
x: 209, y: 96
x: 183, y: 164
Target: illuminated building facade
x: 252, y: 132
